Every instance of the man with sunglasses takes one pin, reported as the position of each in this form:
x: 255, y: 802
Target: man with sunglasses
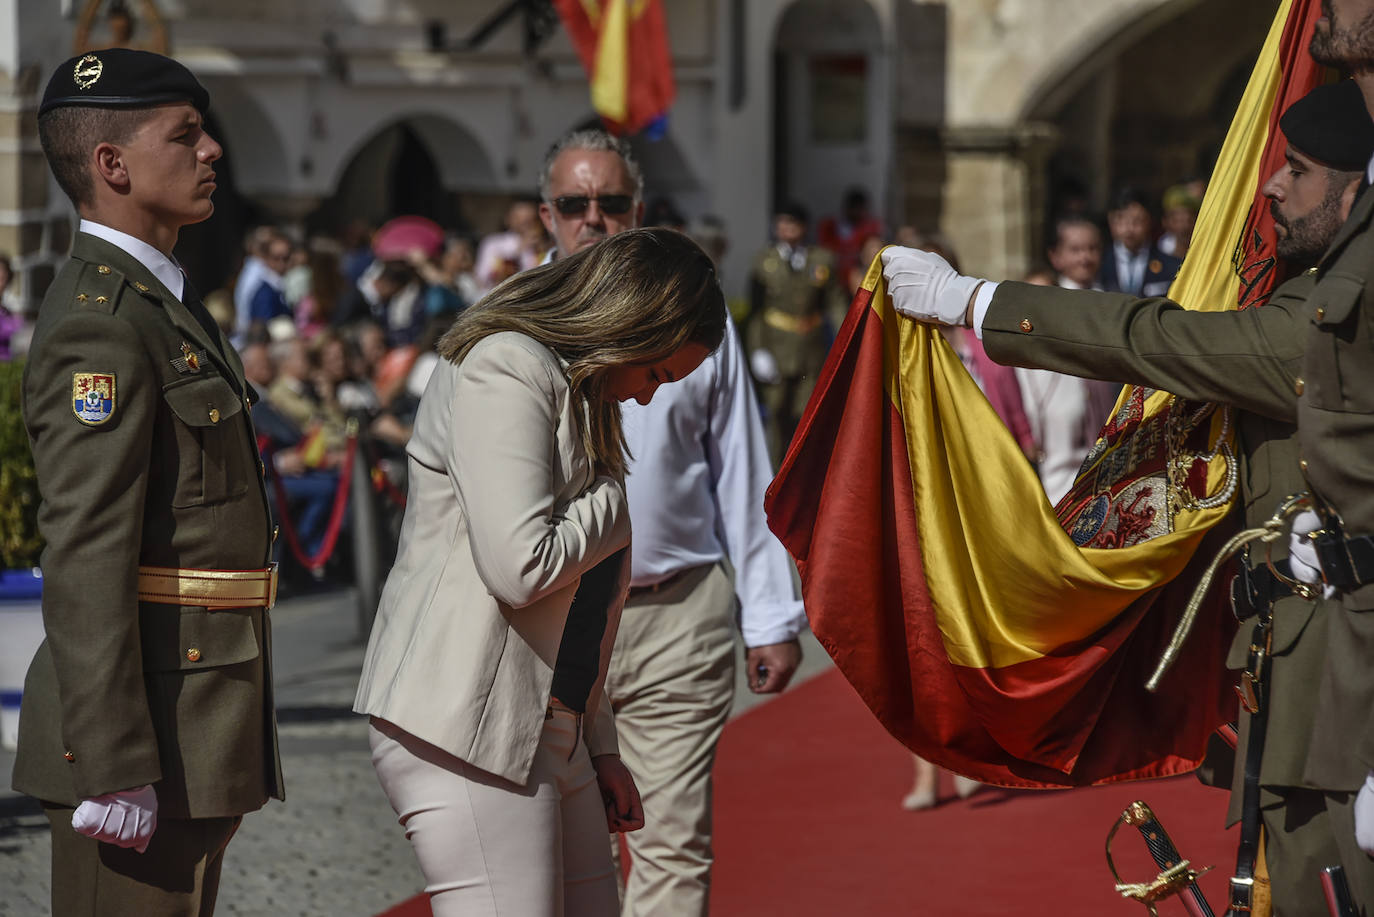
x: 696, y: 504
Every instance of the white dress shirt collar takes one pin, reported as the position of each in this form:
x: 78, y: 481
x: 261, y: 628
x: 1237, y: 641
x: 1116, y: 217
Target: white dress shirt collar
x: 159, y: 265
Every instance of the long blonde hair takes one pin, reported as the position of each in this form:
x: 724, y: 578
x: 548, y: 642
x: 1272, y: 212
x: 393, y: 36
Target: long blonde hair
x: 635, y: 297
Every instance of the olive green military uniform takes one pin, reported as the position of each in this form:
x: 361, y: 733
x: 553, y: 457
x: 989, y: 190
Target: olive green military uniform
x: 1336, y: 432
x: 146, y: 455
x: 793, y: 312
x: 1250, y: 360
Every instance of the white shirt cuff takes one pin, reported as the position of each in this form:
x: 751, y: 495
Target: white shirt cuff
x: 981, y: 300
x: 767, y: 624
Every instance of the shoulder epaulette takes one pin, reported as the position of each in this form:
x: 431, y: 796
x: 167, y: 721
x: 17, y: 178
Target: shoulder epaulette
x: 98, y: 287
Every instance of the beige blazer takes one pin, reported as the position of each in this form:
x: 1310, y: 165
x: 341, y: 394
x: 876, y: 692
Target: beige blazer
x: 504, y: 515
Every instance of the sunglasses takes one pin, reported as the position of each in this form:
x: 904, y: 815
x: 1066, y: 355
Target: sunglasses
x: 576, y: 204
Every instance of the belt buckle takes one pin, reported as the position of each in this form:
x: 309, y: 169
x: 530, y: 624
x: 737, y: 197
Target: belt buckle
x: 1242, y: 893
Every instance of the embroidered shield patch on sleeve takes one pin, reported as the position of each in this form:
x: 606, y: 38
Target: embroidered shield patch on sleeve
x: 93, y: 397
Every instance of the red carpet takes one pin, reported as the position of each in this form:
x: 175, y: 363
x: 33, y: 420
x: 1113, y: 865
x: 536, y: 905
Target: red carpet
x: 808, y: 824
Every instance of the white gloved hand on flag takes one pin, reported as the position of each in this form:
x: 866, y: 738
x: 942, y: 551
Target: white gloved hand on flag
x: 923, y: 286
x: 125, y: 818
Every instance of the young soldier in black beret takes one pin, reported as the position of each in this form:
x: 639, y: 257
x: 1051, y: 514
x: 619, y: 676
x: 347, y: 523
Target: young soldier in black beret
x: 147, y: 728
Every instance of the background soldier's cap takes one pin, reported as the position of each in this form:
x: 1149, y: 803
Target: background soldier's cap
x: 1331, y: 125
x: 122, y: 77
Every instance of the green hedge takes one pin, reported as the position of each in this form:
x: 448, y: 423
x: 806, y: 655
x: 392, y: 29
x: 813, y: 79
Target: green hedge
x: 19, y: 541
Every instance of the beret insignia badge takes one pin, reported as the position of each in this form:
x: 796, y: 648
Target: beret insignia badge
x: 93, y: 397
x: 87, y: 71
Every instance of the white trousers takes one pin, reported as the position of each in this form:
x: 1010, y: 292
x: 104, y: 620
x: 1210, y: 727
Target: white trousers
x: 491, y: 847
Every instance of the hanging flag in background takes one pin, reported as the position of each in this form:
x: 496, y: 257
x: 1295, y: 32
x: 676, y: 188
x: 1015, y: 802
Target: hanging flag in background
x: 990, y: 635
x: 624, y: 48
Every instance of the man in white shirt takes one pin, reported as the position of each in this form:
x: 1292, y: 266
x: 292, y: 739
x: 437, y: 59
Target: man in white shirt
x: 696, y: 490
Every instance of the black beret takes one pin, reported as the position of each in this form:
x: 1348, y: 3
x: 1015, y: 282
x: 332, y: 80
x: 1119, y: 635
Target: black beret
x: 1331, y: 125
x: 125, y: 78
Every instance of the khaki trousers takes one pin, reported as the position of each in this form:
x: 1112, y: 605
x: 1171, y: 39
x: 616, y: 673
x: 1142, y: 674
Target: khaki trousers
x: 671, y: 683
x: 490, y: 847
x: 177, y: 876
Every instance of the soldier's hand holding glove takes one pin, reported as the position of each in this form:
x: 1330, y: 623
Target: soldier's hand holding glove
x: 923, y: 286
x: 765, y: 367
x: 125, y: 818
x: 1302, y: 553
x: 1364, y: 815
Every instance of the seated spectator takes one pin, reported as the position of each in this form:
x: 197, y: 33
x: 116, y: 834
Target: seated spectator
x: 325, y: 287
x: 267, y: 301
x: 310, y: 491
x: 520, y: 246
x: 324, y: 426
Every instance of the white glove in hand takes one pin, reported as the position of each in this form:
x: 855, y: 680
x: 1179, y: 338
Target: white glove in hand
x: 1302, y: 554
x: 765, y: 367
x: 923, y: 286
x: 1364, y: 815
x: 126, y: 818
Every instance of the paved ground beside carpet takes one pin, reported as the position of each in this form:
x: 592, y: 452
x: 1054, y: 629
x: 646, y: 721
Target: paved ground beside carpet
x: 334, y: 849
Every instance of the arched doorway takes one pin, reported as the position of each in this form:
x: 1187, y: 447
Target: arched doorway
x: 831, y: 101
x: 1149, y: 106
x: 424, y: 164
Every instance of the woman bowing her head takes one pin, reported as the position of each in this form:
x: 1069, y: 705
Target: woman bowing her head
x: 484, y: 672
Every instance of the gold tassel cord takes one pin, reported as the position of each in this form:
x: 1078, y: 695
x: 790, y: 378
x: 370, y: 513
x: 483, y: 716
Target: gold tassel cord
x: 1273, y: 529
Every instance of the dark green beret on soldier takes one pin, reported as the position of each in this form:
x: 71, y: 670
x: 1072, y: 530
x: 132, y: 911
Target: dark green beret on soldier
x: 147, y: 728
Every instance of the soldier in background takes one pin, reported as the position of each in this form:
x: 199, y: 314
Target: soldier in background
x: 795, y: 303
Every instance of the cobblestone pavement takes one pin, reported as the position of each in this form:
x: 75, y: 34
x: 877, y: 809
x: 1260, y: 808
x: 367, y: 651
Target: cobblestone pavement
x: 334, y: 848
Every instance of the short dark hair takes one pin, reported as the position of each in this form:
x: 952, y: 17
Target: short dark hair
x: 1066, y: 220
x: 70, y: 132
x: 1126, y: 196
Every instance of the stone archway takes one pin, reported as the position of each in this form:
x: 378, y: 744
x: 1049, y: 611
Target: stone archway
x: 421, y: 163
x: 1150, y: 104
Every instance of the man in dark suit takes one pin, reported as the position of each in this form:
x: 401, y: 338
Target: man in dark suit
x: 147, y: 727
x: 1248, y: 360
x: 1134, y: 264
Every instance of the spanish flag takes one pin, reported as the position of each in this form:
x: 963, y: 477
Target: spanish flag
x: 990, y: 633
x: 624, y: 48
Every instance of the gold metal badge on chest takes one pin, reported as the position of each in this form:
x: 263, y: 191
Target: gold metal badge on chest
x: 189, y: 361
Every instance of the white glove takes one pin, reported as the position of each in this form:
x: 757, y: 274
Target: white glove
x: 1364, y: 815
x: 923, y: 286
x: 1302, y: 553
x: 126, y: 818
x: 765, y: 367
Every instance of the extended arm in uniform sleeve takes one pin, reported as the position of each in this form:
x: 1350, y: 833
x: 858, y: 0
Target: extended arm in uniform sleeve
x: 501, y: 458
x: 93, y: 481
x: 770, y: 611
x: 1248, y: 358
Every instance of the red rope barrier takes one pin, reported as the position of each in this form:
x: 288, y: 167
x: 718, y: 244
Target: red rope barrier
x: 336, y: 514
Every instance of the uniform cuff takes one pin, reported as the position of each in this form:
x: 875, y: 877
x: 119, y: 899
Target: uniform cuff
x: 981, y: 300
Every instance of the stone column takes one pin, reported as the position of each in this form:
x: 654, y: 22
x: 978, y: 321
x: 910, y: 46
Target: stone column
x: 29, y: 235
x: 984, y: 188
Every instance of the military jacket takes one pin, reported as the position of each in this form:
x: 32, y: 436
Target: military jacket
x: 146, y: 454
x: 1249, y: 359
x: 793, y: 312
x: 1336, y: 430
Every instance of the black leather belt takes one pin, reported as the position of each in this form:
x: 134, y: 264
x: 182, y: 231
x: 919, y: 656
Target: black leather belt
x: 1257, y: 588
x: 1347, y: 563
x: 660, y: 585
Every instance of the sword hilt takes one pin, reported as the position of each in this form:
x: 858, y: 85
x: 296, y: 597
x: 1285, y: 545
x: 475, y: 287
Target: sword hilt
x: 1176, y: 875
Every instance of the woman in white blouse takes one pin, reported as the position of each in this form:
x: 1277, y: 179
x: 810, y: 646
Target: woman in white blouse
x: 495, y: 627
